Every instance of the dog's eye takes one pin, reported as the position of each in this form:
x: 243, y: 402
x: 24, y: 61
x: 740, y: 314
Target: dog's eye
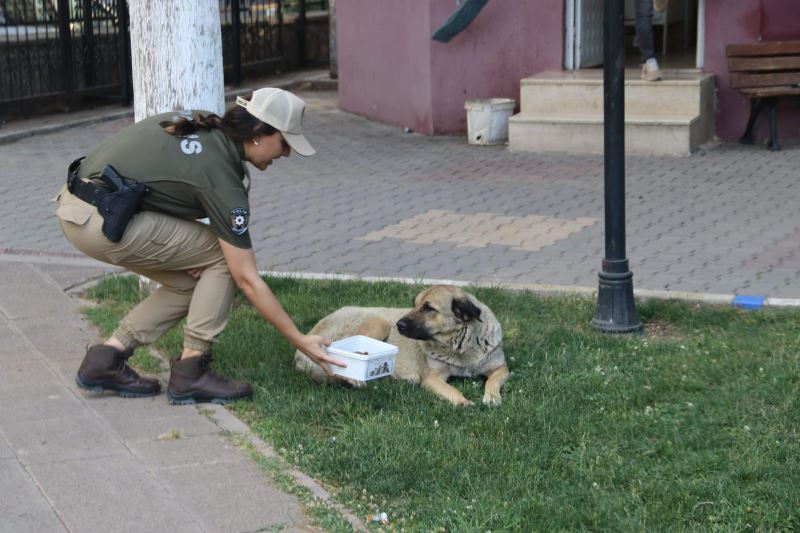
x: 427, y: 307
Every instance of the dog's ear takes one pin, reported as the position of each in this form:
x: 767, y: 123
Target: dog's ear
x: 465, y: 310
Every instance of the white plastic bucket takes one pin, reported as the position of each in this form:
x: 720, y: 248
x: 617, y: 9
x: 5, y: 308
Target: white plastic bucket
x: 487, y: 120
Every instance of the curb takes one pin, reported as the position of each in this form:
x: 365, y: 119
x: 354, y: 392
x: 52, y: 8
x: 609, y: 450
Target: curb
x: 741, y: 301
x: 14, y: 136
x: 230, y: 423
x: 310, y: 84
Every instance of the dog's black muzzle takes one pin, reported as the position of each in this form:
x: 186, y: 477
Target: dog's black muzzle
x: 412, y: 330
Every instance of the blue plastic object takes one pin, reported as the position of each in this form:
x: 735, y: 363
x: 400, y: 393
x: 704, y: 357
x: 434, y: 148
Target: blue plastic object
x: 749, y: 302
x: 459, y: 20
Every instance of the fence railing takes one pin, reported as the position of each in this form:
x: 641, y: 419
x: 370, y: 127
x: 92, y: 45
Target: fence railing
x: 59, y: 50
x: 67, y: 47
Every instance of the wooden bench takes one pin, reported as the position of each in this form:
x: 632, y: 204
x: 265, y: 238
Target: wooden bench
x: 764, y: 72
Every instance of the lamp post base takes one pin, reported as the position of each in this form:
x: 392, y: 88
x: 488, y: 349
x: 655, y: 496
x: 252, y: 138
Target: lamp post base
x: 616, y: 308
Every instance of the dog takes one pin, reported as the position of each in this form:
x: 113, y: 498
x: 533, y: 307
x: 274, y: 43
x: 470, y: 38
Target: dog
x: 448, y: 333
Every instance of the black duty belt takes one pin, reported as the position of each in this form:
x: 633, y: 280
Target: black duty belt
x: 116, y: 204
x: 85, y: 190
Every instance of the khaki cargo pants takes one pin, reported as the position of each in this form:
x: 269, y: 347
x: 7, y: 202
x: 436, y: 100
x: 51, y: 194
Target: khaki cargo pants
x: 162, y: 248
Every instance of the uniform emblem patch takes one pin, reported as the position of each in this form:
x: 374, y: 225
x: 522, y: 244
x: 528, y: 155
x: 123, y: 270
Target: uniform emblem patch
x: 239, y: 219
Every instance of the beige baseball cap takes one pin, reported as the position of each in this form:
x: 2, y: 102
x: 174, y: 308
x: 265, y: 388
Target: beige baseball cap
x: 283, y: 111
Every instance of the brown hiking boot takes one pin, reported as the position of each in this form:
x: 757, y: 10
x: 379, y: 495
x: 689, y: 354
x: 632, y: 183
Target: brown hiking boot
x: 192, y: 381
x: 104, y: 368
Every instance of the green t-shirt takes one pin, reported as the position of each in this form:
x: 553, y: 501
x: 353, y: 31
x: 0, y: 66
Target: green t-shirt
x: 193, y: 177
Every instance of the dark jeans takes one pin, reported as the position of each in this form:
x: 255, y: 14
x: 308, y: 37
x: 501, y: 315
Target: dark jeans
x: 644, y: 28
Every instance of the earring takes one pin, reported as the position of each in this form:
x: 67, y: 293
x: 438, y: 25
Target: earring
x: 255, y: 142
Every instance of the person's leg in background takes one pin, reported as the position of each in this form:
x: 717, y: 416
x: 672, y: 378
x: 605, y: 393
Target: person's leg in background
x: 644, y: 36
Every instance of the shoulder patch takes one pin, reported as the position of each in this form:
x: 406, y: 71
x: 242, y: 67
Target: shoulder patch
x: 239, y: 219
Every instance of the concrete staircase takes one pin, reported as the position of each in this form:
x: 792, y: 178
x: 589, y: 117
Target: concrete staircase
x: 562, y: 111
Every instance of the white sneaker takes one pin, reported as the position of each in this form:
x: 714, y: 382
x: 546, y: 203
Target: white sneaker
x: 650, y: 70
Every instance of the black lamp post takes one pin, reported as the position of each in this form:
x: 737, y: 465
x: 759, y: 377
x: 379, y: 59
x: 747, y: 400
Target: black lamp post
x: 616, y: 309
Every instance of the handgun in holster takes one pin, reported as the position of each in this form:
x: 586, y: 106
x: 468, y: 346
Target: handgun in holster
x: 118, y: 206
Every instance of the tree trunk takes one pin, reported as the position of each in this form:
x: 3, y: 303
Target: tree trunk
x: 176, y: 52
x: 334, y: 69
x: 176, y: 55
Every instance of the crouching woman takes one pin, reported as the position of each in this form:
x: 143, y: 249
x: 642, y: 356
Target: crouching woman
x: 135, y: 201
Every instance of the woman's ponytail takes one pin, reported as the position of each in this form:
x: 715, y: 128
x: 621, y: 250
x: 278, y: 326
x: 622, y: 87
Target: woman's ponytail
x: 185, y: 126
x: 237, y: 124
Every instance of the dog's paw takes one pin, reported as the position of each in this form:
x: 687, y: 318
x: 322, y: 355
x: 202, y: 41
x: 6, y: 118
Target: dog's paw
x: 462, y: 402
x: 349, y: 382
x: 492, y: 399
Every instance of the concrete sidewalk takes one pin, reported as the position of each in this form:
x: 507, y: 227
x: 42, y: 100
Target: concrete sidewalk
x: 72, y: 461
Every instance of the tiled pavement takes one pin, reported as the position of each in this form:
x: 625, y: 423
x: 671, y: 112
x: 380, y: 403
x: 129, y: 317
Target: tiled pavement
x: 378, y: 202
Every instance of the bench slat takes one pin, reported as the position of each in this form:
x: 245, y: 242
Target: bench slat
x: 743, y: 81
x: 770, y: 91
x: 773, y: 48
x: 739, y: 64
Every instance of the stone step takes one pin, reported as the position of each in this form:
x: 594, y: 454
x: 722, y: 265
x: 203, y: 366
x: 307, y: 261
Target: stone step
x: 679, y: 93
x: 678, y: 135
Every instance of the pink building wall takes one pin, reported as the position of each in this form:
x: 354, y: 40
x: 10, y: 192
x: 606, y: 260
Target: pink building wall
x: 743, y: 21
x: 391, y: 70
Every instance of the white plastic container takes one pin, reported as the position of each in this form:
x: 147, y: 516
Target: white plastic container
x: 487, y: 120
x: 376, y: 361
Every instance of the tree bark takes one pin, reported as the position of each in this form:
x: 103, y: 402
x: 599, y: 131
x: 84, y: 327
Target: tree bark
x: 176, y: 56
x: 176, y: 52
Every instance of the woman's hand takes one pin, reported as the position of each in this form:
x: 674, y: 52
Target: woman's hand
x: 311, y: 345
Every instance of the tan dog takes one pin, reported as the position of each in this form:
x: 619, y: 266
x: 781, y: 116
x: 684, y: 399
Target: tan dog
x: 448, y: 333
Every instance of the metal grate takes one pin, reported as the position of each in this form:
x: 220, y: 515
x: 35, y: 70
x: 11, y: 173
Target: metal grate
x: 65, y: 47
x: 251, y: 36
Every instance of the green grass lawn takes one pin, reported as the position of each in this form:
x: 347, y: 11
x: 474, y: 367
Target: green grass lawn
x: 692, y: 426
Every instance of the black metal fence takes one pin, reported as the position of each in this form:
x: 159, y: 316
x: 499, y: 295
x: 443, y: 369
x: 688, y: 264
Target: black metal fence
x: 60, y: 50
x: 60, y: 47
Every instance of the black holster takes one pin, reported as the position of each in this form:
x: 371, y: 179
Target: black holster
x: 116, y: 204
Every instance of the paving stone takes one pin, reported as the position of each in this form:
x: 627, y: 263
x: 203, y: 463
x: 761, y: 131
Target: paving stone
x: 62, y: 439
x: 68, y: 276
x: 27, y: 293
x: 14, y: 344
x: 22, y: 368
x: 59, y: 338
x: 185, y: 425
x: 191, y: 450
x: 22, y: 508
x: 109, y: 406
x: 121, y: 492
x: 45, y: 400
x: 5, y: 449
x: 233, y: 497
